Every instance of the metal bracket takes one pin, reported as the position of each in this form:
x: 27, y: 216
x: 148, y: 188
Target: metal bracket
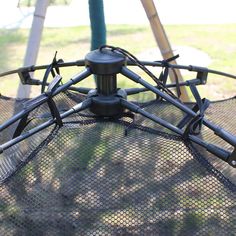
x: 202, y: 76
x: 25, y: 78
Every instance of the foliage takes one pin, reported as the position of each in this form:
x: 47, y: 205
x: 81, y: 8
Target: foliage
x: 30, y: 3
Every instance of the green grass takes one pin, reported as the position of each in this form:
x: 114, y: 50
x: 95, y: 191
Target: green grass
x: 218, y: 41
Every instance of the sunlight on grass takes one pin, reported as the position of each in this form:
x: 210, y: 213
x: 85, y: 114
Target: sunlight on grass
x: 116, y: 218
x: 218, y: 41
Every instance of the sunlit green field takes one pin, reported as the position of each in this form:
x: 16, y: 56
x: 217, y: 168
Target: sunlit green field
x: 218, y: 41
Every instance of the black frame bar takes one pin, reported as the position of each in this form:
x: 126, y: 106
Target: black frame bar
x: 77, y: 108
x: 217, y: 130
x: 44, y: 97
x: 221, y: 153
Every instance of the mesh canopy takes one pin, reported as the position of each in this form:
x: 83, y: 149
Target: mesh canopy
x: 121, y: 176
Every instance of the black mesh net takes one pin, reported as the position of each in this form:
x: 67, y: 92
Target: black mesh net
x: 123, y: 176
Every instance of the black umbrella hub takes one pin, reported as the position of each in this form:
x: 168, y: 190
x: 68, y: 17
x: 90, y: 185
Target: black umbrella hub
x: 107, y: 100
x: 105, y: 65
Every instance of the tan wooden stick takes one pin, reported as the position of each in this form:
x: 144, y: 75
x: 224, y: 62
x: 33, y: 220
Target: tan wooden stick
x: 162, y: 41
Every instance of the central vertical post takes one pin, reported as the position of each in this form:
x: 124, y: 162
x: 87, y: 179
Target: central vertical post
x: 106, y: 84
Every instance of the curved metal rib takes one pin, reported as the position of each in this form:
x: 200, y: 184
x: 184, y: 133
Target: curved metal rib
x: 42, y: 67
x: 183, y: 67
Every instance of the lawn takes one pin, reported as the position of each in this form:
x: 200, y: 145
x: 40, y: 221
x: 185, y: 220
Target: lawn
x: 218, y: 41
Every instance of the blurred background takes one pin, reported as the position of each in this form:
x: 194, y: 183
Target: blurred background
x: 202, y: 32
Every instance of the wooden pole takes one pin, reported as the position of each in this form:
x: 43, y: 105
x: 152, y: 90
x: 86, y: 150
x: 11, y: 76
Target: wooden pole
x: 162, y: 41
x: 33, y: 42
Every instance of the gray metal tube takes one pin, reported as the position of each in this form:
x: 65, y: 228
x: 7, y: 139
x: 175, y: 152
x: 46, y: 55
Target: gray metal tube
x: 221, y: 153
x: 79, y: 107
x: 218, y: 130
x: 75, y: 79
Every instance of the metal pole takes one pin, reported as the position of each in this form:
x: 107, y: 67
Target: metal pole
x: 79, y: 107
x: 228, y: 137
x: 98, y: 26
x: 221, y: 153
x: 36, y: 102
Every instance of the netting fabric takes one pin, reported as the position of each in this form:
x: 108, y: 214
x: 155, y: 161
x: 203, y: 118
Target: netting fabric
x: 96, y: 176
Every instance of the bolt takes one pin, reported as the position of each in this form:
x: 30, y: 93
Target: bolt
x: 233, y: 163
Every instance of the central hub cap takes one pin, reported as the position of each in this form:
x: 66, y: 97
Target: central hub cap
x: 104, y: 62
